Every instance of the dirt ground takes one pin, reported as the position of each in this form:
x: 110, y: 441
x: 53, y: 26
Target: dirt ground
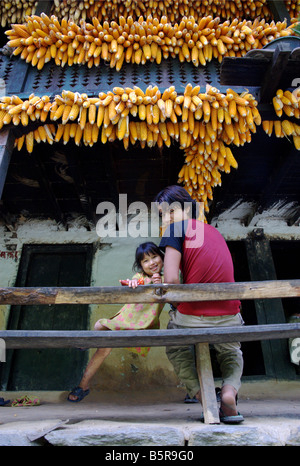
x: 258, y: 401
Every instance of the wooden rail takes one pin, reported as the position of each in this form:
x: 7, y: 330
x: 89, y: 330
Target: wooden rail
x: 16, y: 339
x: 200, y: 337
x: 151, y: 293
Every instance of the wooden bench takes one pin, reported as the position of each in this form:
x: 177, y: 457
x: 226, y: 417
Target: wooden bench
x: 200, y: 337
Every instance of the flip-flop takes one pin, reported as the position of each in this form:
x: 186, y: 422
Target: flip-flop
x: 188, y: 399
x: 25, y: 401
x: 3, y: 402
x: 79, y: 392
x: 231, y: 419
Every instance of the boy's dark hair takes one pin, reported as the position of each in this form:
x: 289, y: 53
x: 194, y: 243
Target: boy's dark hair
x: 142, y: 249
x: 173, y: 194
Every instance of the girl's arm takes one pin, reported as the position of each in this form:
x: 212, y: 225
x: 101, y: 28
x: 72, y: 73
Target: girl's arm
x: 134, y: 282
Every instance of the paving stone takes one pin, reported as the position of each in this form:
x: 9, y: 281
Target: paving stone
x: 20, y: 434
x: 294, y: 437
x: 103, y: 433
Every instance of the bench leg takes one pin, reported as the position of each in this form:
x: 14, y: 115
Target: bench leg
x: 208, y: 394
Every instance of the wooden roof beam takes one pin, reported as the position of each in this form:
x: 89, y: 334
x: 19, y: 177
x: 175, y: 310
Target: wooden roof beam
x: 279, y: 11
x: 273, y: 75
x: 44, y: 6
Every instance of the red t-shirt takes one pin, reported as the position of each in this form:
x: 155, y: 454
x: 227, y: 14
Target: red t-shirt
x: 205, y: 258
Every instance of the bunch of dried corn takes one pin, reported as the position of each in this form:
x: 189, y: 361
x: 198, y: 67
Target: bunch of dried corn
x: 175, y: 10
x: 44, y: 38
x: 15, y: 11
x: 289, y: 103
x: 293, y: 7
x: 226, y: 120
x: 204, y: 124
x: 282, y: 129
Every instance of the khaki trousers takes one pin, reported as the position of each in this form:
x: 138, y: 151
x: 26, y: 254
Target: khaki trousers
x: 229, y: 355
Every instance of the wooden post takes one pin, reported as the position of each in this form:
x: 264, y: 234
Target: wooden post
x: 261, y: 267
x: 205, y: 374
x: 6, y: 148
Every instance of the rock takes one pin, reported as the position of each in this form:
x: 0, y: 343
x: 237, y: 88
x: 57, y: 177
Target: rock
x: 238, y: 435
x: 104, y: 433
x: 20, y: 434
x: 293, y: 438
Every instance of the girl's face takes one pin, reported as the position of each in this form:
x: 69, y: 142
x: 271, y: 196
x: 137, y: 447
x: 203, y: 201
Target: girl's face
x: 151, y: 263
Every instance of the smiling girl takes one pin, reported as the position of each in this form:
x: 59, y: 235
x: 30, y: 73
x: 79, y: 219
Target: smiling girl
x: 148, y: 265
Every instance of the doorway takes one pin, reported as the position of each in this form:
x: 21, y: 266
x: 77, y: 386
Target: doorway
x: 49, y: 369
x: 286, y: 257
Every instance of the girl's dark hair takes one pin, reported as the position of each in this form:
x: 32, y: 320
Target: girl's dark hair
x: 142, y: 249
x: 177, y: 194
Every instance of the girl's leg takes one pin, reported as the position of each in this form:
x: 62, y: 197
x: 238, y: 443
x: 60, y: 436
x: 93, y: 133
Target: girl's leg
x: 94, y: 364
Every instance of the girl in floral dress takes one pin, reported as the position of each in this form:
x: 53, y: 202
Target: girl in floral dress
x: 148, y: 265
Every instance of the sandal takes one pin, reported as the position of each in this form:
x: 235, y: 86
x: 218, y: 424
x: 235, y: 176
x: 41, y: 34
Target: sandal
x: 3, y: 402
x: 231, y: 419
x: 25, y: 401
x: 79, y: 393
x: 188, y: 399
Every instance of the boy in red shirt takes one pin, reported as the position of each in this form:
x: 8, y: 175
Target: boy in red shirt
x: 200, y: 253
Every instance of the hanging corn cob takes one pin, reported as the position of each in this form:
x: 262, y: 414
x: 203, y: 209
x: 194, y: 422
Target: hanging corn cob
x: 285, y: 103
x: 41, y: 39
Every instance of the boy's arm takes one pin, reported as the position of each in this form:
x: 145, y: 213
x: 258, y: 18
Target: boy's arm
x: 171, y: 267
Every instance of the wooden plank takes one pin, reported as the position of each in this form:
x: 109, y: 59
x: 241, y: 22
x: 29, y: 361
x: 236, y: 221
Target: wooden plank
x: 17, y: 76
x: 15, y: 339
x: 6, y: 148
x: 241, y: 71
x: 207, y: 385
x: 151, y: 293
